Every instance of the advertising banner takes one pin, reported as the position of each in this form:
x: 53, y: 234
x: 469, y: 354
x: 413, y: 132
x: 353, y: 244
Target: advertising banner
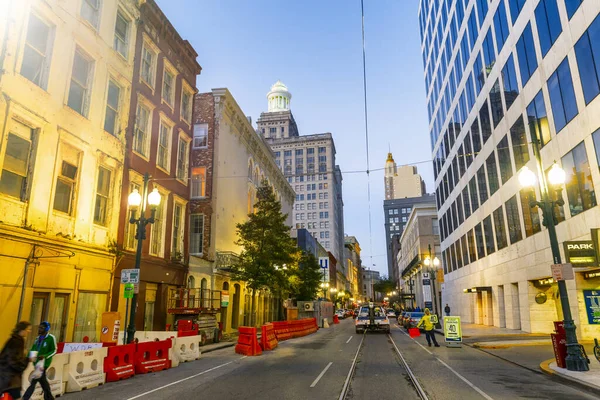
x: 592, y: 305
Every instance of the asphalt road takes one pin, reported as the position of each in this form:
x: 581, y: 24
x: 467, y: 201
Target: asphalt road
x: 316, y: 367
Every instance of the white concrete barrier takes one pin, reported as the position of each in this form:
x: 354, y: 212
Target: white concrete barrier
x: 187, y: 348
x: 56, y: 375
x: 86, y: 369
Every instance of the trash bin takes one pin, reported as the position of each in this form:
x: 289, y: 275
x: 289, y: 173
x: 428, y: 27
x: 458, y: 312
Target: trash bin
x: 559, y: 344
x: 559, y: 327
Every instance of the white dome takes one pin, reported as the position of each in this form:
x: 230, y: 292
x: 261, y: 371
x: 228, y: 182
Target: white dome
x: 279, y: 97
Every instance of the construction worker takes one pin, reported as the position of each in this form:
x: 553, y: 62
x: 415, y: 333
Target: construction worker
x: 428, y: 323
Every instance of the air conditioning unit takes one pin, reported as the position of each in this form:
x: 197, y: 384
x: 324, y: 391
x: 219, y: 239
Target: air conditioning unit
x: 309, y: 307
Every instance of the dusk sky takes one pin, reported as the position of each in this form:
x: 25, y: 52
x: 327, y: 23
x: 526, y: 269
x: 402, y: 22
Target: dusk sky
x: 314, y: 47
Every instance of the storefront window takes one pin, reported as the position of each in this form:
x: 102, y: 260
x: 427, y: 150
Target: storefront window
x: 88, y: 318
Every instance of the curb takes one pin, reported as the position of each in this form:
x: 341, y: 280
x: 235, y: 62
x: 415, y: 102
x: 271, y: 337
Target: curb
x: 545, y: 367
x: 507, y: 346
x: 222, y: 345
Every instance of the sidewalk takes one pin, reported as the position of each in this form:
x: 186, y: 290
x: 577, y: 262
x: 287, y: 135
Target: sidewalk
x: 531, y: 351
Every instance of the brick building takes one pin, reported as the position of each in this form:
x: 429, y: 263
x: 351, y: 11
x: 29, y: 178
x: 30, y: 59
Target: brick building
x: 159, y: 135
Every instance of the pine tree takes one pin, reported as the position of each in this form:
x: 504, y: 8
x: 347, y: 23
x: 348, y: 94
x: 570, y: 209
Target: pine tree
x: 266, y: 243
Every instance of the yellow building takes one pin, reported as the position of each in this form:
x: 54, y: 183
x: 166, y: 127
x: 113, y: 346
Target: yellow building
x: 65, y: 79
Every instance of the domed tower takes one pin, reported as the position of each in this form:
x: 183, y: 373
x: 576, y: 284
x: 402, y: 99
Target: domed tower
x: 279, y: 97
x: 390, y: 172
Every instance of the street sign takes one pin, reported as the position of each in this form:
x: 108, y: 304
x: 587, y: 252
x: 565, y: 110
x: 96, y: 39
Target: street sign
x: 581, y: 253
x: 128, y: 291
x: 130, y: 275
x: 452, y: 330
x: 224, y: 298
x: 562, y: 272
x: 324, y: 262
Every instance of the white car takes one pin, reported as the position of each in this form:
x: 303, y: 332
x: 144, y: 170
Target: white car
x: 340, y: 313
x: 391, y: 313
x: 372, y: 318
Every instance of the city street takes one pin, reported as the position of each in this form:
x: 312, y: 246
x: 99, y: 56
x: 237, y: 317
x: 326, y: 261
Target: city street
x: 317, y: 366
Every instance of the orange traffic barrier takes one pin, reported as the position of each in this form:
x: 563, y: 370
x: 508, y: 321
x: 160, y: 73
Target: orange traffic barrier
x: 152, y: 356
x: 268, y: 341
x: 247, y: 342
x: 282, y: 330
x: 336, y: 319
x: 118, y: 363
x: 414, y: 332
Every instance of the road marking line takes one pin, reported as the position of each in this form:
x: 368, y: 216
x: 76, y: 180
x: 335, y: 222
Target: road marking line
x: 320, y: 375
x: 184, y: 379
x: 413, y: 339
x: 481, y: 392
x: 348, y: 341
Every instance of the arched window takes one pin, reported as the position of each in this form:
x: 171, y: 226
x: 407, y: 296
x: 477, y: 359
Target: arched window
x: 225, y: 285
x: 256, y: 181
x: 250, y: 168
x: 191, y: 282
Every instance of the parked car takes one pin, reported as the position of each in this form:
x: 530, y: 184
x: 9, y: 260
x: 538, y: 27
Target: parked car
x: 355, y: 312
x: 412, y: 319
x: 348, y: 313
x: 340, y: 313
x: 373, y: 318
x: 391, y: 313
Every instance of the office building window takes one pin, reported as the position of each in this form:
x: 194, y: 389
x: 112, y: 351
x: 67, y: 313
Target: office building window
x: 504, y: 161
x: 572, y: 6
x: 198, y: 187
x: 17, y: 158
x: 473, y: 193
x: 200, y: 136
x: 526, y: 55
x: 471, y: 246
x: 489, y: 53
x: 520, y: 148
x: 111, y: 120
x: 187, y: 98
x: 142, y: 131
x: 66, y: 187
x: 496, y: 103
x: 484, y: 120
x: 514, y: 222
x: 488, y: 232
x: 500, y: 228
x: 37, y: 51
x: 90, y: 11
x: 562, y: 95
x: 501, y: 26
x: 492, y: 173
x: 509, y: 81
x: 476, y: 136
x: 531, y: 216
x: 580, y: 189
x: 163, y: 158
x: 479, y: 73
x: 130, y: 229
x: 168, y: 88
x: 102, y: 196
x: 81, y: 77
x: 121, y: 42
x: 588, y: 60
x: 480, y: 243
x: 481, y: 180
x: 466, y: 202
x: 473, y: 29
x: 183, y: 155
x: 548, y: 24
x: 157, y: 230
x: 538, y: 120
x: 482, y: 9
x: 196, y: 234
x: 148, y: 65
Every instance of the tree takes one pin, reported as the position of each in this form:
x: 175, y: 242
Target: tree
x: 384, y: 286
x: 266, y: 243
x: 306, y: 278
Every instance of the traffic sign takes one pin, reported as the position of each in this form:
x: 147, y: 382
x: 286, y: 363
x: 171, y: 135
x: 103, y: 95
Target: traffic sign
x: 128, y: 291
x: 452, y: 330
x: 130, y: 275
x: 562, y: 271
x: 324, y: 262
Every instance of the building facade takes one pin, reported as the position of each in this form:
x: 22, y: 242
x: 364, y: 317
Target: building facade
x: 65, y: 80
x: 498, y: 75
x: 159, y: 133
x: 370, y: 279
x: 353, y: 266
x: 396, y: 213
x: 308, y: 162
x: 402, y: 182
x: 420, y: 235
x: 229, y: 162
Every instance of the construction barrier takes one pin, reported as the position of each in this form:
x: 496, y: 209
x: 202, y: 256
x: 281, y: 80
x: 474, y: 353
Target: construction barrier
x: 152, y: 356
x: 268, y: 341
x: 247, y: 342
x: 118, y: 363
x: 282, y: 331
x: 56, y: 374
x: 187, y: 348
x: 86, y: 369
x: 152, y: 336
x: 336, y: 319
x: 186, y: 328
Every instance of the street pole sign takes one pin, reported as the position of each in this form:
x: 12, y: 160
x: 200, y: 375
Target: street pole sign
x: 128, y: 291
x: 427, y: 291
x: 130, y: 275
x: 562, y: 272
x: 324, y: 264
x: 452, y: 331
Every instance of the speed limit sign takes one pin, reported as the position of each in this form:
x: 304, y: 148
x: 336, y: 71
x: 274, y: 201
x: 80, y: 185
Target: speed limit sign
x: 452, y: 330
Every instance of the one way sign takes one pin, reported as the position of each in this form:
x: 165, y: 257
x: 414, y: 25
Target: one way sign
x: 324, y: 262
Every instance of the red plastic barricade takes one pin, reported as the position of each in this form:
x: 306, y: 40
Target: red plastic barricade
x: 336, y: 319
x: 186, y: 327
x: 268, y: 341
x: 282, y: 330
x: 152, y: 356
x: 118, y: 363
x: 414, y: 332
x: 247, y: 342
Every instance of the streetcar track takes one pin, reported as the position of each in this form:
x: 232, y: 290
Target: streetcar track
x: 411, y: 376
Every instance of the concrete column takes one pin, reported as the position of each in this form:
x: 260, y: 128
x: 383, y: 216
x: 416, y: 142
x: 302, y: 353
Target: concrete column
x: 500, y: 309
x: 487, y: 309
x: 478, y: 311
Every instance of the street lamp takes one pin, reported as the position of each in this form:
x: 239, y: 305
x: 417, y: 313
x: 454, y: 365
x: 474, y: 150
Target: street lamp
x: 436, y: 264
x: 135, y: 201
x: 556, y: 178
x: 324, y: 286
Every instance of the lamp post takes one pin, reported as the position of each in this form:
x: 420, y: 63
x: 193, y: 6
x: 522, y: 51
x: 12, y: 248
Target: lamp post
x: 436, y: 263
x: 324, y: 286
x: 411, y: 283
x: 549, y: 201
x: 135, y: 201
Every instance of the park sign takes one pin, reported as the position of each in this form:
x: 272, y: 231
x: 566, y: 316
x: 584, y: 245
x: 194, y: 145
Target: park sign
x: 452, y: 330
x: 581, y: 253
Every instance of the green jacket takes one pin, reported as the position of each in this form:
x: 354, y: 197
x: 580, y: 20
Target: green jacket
x: 46, y: 349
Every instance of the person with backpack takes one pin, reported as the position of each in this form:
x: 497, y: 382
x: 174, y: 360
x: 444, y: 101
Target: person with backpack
x: 44, y: 348
x: 428, y: 322
x: 13, y: 361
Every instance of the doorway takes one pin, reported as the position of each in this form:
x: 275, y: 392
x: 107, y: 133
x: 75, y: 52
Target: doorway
x: 39, y: 313
x: 225, y: 292
x: 58, y: 315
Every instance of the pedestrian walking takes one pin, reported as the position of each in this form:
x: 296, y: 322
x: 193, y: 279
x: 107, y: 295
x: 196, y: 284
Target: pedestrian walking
x: 447, y: 310
x: 44, y: 348
x: 13, y: 361
x: 427, y: 324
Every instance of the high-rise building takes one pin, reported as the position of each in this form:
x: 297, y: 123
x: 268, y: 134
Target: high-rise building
x: 308, y: 163
x: 498, y: 75
x: 402, y: 182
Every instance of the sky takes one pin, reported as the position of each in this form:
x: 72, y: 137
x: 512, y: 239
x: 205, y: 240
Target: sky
x: 315, y: 48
